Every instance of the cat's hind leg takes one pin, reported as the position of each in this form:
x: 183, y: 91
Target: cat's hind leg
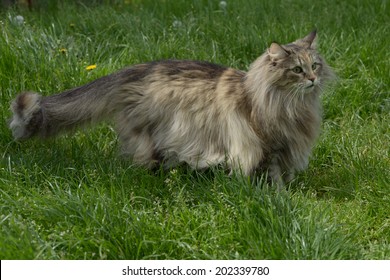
x: 140, y: 147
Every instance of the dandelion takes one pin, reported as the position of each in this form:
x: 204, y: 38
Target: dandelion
x: 19, y: 19
x: 90, y: 67
x: 177, y: 24
x: 223, y: 5
x: 63, y: 51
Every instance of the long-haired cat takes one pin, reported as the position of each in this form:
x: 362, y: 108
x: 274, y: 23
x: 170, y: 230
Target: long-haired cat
x: 266, y: 119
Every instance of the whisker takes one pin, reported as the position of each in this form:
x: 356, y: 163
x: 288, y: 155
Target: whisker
x: 291, y: 100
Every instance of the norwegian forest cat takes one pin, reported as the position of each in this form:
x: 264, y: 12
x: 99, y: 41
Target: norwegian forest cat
x: 168, y: 112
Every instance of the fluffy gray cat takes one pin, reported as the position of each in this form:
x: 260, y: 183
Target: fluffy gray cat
x: 168, y: 112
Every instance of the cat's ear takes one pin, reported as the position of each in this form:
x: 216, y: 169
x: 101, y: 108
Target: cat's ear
x: 310, y: 41
x: 276, y: 51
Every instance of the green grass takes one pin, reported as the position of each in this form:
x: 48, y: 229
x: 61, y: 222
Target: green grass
x: 75, y: 198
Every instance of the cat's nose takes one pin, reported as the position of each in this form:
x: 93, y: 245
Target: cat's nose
x: 312, y: 79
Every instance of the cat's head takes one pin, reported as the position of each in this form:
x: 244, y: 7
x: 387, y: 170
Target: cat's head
x: 297, y: 65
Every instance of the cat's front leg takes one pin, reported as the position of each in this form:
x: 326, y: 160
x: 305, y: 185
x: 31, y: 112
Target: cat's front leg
x: 288, y: 176
x: 275, y: 173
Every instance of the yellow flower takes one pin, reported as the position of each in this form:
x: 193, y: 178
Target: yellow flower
x: 63, y: 51
x: 90, y: 67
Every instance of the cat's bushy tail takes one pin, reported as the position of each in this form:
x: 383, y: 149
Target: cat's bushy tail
x: 36, y: 115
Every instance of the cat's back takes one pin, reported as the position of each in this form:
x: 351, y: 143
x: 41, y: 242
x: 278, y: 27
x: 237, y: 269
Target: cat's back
x: 168, y: 80
x: 188, y: 70
x: 181, y: 72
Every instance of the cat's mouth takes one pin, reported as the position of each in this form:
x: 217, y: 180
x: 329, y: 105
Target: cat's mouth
x: 310, y: 86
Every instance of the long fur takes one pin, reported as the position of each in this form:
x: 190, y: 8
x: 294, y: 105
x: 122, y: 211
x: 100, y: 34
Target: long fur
x: 203, y: 114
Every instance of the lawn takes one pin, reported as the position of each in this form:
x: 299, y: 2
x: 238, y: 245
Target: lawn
x: 75, y: 197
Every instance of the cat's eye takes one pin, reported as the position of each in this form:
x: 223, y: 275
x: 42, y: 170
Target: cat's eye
x: 297, y: 69
x: 314, y: 66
